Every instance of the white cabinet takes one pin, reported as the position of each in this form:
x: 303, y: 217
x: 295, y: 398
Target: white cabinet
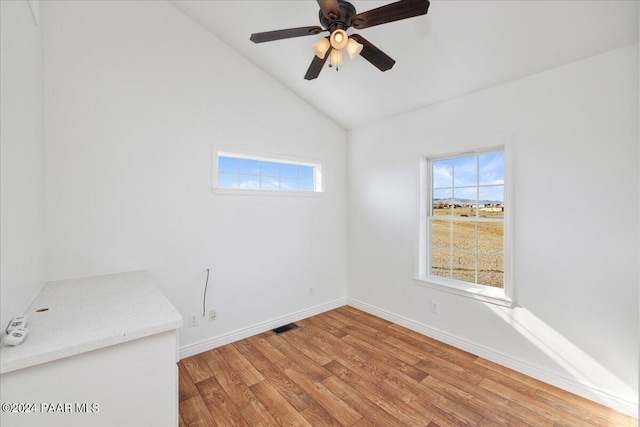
x: 103, y: 353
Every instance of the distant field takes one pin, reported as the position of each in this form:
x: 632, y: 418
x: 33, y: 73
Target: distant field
x: 460, y: 236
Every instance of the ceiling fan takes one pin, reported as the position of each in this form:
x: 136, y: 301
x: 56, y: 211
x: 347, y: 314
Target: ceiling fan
x: 336, y: 16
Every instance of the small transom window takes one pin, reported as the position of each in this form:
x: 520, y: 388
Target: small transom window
x: 254, y: 173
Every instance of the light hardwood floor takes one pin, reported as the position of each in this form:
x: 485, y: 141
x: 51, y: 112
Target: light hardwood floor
x: 348, y: 368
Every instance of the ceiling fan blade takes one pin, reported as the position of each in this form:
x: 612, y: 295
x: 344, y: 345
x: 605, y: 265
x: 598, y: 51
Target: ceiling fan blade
x: 330, y: 9
x: 402, y: 9
x: 316, y: 66
x: 285, y: 34
x: 371, y: 53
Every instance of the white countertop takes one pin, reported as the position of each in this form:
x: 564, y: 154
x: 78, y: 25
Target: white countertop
x: 89, y: 313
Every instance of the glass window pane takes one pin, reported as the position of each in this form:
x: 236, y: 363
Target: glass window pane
x: 440, y: 233
x: 491, y: 237
x: 442, y: 201
x: 269, y: 183
x: 289, y: 171
x: 248, y: 166
x: 255, y: 174
x: 288, y: 184
x: 305, y: 185
x: 463, y: 266
x: 491, y: 270
x: 465, y: 201
x: 270, y: 168
x: 249, y: 182
x: 464, y: 235
x: 491, y: 201
x: 227, y: 180
x: 491, y: 168
x: 465, y: 171
x: 227, y: 164
x: 442, y: 173
x: 305, y: 172
x: 440, y: 263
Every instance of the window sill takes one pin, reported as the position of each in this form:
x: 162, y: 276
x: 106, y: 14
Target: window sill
x: 240, y: 192
x: 478, y: 292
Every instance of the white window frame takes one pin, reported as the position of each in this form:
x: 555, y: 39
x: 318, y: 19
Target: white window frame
x: 500, y: 296
x: 318, y: 178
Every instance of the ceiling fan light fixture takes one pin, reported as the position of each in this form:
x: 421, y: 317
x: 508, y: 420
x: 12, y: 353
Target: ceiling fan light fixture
x: 321, y: 47
x: 339, y: 39
x: 335, y: 58
x: 353, y: 48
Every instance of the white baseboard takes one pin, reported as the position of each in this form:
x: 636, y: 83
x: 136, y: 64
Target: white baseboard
x: 229, y: 337
x: 565, y: 383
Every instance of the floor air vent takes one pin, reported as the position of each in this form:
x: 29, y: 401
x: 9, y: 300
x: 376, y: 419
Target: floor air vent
x: 285, y: 328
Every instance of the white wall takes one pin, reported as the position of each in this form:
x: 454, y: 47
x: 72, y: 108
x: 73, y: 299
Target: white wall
x: 22, y: 265
x: 136, y: 95
x: 575, y: 146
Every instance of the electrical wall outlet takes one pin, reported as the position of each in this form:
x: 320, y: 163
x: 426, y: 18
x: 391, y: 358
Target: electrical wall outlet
x: 212, y: 314
x: 435, y: 307
x: 310, y: 290
x: 193, y: 320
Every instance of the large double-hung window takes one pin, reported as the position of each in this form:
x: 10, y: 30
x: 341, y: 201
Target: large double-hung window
x: 465, y: 230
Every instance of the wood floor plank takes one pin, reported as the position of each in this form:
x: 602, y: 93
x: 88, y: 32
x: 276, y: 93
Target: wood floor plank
x: 338, y: 409
x: 326, y: 341
x: 278, y: 407
x: 230, y: 380
x: 428, y: 344
x: 364, y: 423
x: 308, y: 347
x: 370, y: 411
x: 313, y: 369
x: 430, y: 364
x: 198, y: 367
x: 239, y: 364
x: 260, y: 342
x: 294, y: 395
x: 509, y: 377
x: 186, y: 387
x: 387, y: 357
x: 434, y: 412
x: 536, y: 412
x: 320, y: 324
x: 220, y: 406
x: 358, y: 362
x: 498, y: 404
x: 364, y: 318
x: 444, y: 409
x: 330, y: 318
x: 347, y: 368
x: 378, y: 341
x: 345, y: 320
x: 319, y: 416
x: 488, y: 407
x: 194, y: 413
x: 399, y: 410
x: 255, y: 413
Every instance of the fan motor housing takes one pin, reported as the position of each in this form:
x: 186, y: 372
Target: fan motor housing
x: 347, y: 10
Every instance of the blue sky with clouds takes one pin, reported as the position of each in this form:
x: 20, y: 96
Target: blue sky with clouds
x: 251, y: 174
x: 469, y: 177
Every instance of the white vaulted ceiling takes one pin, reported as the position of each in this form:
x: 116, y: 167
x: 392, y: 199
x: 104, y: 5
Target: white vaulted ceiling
x: 457, y: 48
